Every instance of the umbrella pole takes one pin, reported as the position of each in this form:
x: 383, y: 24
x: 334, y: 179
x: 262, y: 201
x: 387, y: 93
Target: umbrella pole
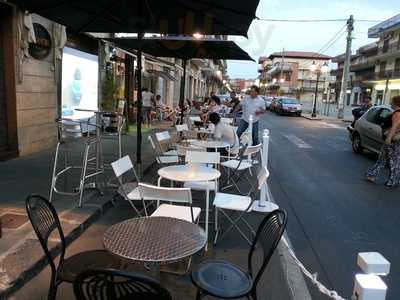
x: 183, y: 84
x: 139, y: 104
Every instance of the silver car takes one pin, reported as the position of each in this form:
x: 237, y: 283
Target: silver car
x: 367, y: 132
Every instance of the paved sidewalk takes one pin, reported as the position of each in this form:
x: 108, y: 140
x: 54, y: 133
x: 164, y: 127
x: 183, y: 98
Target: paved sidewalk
x: 326, y: 114
x: 21, y: 256
x: 281, y: 281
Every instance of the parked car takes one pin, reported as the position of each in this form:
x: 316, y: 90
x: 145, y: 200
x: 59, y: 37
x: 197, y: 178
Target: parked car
x: 367, y: 131
x: 288, y: 106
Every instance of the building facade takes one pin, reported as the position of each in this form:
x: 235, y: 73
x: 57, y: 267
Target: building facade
x: 375, y: 68
x: 289, y: 73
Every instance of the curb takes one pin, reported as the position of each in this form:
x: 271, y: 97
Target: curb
x: 294, y: 277
x: 311, y: 118
x: 96, y: 211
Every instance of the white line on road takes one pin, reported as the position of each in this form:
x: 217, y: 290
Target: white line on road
x: 330, y: 125
x: 297, y: 141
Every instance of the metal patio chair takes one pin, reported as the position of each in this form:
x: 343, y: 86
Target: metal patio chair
x: 45, y: 221
x: 109, y: 284
x: 164, y: 140
x: 160, y: 157
x: 237, y: 168
x: 181, y: 209
x: 229, y: 204
x: 224, y: 280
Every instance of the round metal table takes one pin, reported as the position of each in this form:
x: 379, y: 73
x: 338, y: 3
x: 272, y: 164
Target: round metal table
x: 192, y: 173
x: 210, y: 144
x: 154, y: 239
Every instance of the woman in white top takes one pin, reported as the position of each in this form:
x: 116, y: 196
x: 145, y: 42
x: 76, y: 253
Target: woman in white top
x: 224, y: 132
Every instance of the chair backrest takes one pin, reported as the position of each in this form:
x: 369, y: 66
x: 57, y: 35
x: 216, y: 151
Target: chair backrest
x: 268, y: 235
x: 252, y: 149
x: 182, y: 128
x: 198, y: 157
x: 183, y: 149
x: 152, y: 192
x: 163, y: 136
x: 194, y: 119
x: 122, y: 165
x: 108, y: 284
x: 45, y: 221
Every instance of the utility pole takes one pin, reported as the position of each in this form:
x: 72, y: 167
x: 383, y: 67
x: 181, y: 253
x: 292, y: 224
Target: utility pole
x: 346, y: 67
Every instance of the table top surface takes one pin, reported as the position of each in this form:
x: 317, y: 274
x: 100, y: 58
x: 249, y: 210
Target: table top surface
x: 210, y: 144
x: 154, y: 239
x: 189, y: 172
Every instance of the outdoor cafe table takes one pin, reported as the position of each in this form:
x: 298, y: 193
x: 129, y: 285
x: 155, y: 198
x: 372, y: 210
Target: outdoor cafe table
x: 192, y: 173
x: 155, y: 240
x: 210, y: 144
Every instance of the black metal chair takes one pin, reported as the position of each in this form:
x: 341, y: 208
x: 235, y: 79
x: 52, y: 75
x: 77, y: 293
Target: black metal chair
x: 109, y: 284
x: 224, y: 280
x: 45, y: 221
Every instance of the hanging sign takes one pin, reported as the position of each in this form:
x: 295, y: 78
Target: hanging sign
x: 41, y: 49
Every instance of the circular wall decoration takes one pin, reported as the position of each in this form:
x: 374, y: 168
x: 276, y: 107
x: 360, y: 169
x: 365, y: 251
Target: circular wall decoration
x: 41, y: 49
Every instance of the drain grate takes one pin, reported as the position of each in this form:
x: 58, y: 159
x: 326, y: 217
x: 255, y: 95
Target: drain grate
x: 13, y: 221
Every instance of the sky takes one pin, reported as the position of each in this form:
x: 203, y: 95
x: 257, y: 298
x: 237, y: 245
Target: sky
x: 266, y: 37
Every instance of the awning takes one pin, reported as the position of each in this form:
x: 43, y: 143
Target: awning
x: 162, y: 74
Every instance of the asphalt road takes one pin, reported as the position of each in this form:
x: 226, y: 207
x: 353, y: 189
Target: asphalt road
x: 333, y: 212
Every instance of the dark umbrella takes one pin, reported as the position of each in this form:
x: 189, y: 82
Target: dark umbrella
x: 185, y: 49
x: 225, y: 17
x: 212, y: 17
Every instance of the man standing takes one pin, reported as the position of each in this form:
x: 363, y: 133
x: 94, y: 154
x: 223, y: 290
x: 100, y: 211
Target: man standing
x: 253, y: 106
x: 147, y: 99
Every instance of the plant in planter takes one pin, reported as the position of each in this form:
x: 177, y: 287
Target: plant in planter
x: 109, y: 91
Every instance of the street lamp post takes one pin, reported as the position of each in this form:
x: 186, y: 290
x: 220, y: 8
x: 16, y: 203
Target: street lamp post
x: 318, y: 70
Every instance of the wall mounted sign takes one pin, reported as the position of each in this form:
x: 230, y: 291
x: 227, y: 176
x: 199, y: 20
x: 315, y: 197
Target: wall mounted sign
x: 41, y: 49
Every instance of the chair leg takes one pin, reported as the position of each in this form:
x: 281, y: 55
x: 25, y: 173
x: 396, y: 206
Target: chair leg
x: 198, y: 294
x: 83, y: 175
x: 52, y: 292
x: 53, y: 180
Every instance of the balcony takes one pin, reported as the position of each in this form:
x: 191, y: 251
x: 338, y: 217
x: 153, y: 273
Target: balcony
x: 391, y: 74
x: 389, y: 50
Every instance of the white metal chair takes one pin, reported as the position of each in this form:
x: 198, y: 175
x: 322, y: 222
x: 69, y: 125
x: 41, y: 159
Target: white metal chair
x: 203, y: 158
x: 164, y: 140
x: 238, y: 167
x: 240, y: 204
x: 172, y: 195
x: 129, y: 191
x: 161, y: 158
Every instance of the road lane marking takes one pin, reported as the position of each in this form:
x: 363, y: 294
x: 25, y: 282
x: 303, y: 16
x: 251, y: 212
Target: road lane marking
x: 330, y: 125
x: 297, y: 141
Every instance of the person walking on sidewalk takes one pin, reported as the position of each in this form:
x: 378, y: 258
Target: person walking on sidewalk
x: 253, y: 106
x: 390, y: 152
x: 147, y: 100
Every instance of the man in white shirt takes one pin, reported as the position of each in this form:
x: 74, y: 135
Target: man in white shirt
x: 253, y: 107
x: 224, y: 132
x: 147, y: 98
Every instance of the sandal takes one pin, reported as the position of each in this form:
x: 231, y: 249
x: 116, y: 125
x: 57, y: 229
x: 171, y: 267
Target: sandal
x: 370, y: 179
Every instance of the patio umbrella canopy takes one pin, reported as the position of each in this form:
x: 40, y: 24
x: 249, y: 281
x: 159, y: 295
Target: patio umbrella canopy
x: 225, y: 17
x: 184, y: 48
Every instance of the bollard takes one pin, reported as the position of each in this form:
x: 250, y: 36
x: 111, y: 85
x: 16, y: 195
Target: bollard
x: 370, y: 286
x: 264, y: 204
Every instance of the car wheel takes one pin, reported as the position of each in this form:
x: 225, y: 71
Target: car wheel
x: 298, y: 114
x: 356, y: 143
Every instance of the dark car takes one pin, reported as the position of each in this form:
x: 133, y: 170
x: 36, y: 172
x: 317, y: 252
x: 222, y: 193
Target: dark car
x: 288, y: 106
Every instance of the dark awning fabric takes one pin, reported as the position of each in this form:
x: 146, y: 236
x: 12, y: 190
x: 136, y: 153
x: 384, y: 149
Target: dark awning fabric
x: 225, y: 17
x: 184, y: 48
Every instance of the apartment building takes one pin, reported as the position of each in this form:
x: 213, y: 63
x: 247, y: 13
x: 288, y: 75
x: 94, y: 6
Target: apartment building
x: 289, y: 73
x: 375, y: 68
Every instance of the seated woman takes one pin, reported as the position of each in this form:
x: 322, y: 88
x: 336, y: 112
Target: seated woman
x: 214, y: 106
x: 224, y: 132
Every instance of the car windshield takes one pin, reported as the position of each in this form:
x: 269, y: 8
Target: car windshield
x: 290, y: 101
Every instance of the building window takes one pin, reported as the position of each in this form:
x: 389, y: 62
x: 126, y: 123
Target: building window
x: 385, y: 46
x: 382, y: 69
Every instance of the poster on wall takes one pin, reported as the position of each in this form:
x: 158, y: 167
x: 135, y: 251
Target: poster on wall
x: 79, y: 83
